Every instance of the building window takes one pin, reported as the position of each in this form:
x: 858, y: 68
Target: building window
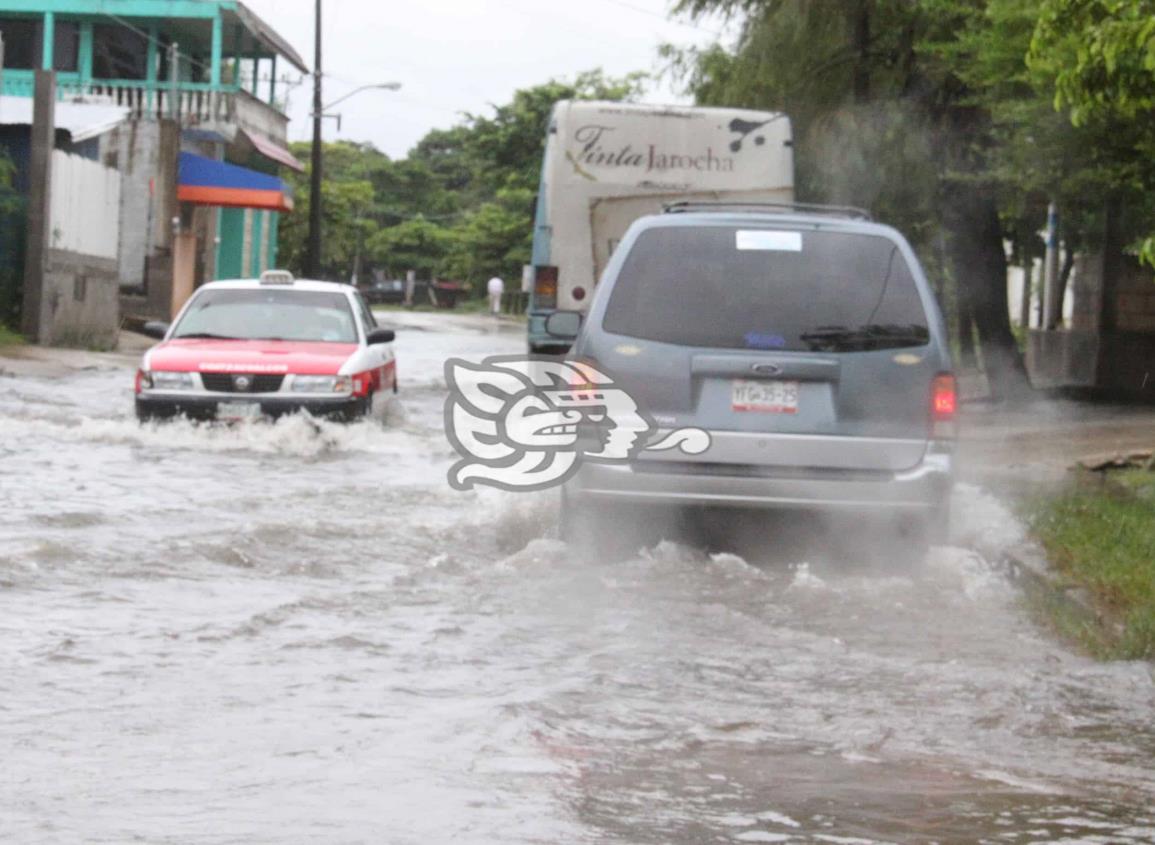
x: 23, y: 43
x: 66, y: 47
x: 118, y: 53
x: 79, y: 288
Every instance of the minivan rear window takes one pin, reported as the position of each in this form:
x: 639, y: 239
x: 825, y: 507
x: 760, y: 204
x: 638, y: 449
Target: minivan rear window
x: 737, y: 288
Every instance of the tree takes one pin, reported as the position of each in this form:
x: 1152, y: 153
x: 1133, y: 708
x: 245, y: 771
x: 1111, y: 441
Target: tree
x: 882, y: 119
x: 416, y: 244
x: 1099, y: 56
x: 345, y: 220
x: 496, y: 239
x: 12, y: 241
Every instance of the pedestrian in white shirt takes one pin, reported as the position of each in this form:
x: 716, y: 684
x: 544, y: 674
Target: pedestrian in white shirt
x: 495, y: 288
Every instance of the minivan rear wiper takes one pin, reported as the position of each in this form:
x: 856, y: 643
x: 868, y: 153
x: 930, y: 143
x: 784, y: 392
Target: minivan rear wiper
x: 869, y: 336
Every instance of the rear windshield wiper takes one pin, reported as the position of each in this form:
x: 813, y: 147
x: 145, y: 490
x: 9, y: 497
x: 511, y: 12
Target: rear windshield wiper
x: 204, y: 336
x: 869, y: 336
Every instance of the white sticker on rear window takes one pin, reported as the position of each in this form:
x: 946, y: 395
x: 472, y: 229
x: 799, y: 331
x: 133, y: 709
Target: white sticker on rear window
x: 769, y: 241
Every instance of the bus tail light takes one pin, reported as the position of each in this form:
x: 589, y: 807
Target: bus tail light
x: 545, y: 287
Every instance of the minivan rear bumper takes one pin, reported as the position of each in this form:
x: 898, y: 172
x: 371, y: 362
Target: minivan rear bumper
x: 924, y: 487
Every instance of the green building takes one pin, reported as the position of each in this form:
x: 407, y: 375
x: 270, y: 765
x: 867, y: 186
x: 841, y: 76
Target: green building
x: 193, y: 86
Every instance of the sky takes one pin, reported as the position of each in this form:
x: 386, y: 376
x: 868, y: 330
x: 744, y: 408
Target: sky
x: 454, y: 56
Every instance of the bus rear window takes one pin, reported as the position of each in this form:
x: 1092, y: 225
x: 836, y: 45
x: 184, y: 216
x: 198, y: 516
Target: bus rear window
x: 743, y: 288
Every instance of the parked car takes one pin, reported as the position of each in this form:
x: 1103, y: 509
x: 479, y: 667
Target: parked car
x: 267, y: 347
x: 385, y: 292
x: 809, y: 346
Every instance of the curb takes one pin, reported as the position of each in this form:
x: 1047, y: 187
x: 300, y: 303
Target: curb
x: 1028, y: 565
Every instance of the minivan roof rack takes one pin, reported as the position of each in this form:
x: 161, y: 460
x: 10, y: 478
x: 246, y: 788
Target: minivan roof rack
x: 809, y: 207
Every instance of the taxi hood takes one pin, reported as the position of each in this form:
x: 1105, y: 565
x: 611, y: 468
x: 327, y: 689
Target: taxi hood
x: 249, y: 356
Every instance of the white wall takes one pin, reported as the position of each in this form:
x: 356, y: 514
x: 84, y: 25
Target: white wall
x: 85, y: 211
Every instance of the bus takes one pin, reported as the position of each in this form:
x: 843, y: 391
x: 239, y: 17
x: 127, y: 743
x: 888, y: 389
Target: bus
x: 607, y: 164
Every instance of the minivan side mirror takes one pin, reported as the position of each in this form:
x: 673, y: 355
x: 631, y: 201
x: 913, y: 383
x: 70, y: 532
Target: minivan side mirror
x: 378, y: 336
x: 564, y: 324
x: 155, y: 328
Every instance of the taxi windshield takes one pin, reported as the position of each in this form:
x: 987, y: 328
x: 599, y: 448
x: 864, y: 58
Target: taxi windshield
x: 269, y: 314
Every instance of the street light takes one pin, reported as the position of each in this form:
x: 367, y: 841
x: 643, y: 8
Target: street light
x: 313, y: 252
x: 379, y: 86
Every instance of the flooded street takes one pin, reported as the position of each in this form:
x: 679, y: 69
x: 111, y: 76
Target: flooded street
x: 300, y: 633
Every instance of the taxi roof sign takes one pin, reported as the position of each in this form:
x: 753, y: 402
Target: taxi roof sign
x: 276, y: 277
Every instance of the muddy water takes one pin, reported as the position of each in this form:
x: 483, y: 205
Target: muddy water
x: 299, y: 633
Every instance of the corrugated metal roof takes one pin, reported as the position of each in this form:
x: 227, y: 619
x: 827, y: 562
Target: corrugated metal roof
x: 81, y: 120
x: 269, y: 37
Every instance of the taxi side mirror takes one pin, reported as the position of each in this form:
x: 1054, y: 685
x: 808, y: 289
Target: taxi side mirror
x: 378, y: 336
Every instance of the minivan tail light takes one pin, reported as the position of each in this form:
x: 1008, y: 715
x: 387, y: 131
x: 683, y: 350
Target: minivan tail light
x: 545, y: 287
x: 944, y: 398
x: 579, y: 381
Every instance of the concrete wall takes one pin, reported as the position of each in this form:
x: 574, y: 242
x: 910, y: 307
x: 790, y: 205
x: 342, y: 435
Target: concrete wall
x: 146, y: 153
x: 1135, y: 300
x: 1120, y: 361
x: 1062, y: 358
x: 81, y: 300
x: 156, y: 301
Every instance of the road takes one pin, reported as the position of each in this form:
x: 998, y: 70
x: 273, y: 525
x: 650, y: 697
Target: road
x: 300, y: 633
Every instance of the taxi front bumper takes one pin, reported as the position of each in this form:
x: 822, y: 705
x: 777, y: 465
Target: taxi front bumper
x: 156, y: 406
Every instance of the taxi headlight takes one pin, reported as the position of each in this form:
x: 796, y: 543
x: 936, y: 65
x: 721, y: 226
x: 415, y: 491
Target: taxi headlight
x: 322, y: 384
x: 162, y: 380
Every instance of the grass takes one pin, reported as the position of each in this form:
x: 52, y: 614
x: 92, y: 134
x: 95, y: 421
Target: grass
x: 1102, y: 540
x: 9, y: 337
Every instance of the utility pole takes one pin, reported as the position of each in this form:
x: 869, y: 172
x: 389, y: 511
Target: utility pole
x: 313, y: 253
x: 43, y: 136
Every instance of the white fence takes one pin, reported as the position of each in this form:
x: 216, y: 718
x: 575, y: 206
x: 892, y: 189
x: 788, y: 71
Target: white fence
x: 85, y: 216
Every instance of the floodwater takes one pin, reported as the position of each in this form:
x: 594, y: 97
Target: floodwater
x: 299, y: 633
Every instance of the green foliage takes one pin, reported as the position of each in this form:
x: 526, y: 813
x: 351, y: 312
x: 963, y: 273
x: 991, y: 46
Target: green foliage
x: 459, y: 205
x: 1101, y: 53
x: 496, y: 238
x: 12, y: 234
x: 9, y: 337
x: 1098, y: 57
x: 345, y: 210
x: 416, y: 244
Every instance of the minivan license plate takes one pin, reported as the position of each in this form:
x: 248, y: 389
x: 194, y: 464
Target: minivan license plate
x: 238, y: 410
x: 767, y: 397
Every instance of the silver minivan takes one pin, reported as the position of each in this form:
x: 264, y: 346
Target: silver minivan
x: 808, y: 345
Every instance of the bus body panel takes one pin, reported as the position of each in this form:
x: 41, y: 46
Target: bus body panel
x: 607, y: 164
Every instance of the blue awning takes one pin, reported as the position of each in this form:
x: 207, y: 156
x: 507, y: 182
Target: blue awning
x: 205, y: 181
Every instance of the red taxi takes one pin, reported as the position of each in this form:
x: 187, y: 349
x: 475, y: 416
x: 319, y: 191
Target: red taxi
x: 264, y: 348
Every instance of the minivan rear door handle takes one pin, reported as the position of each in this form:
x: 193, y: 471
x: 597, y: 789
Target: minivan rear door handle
x: 765, y: 366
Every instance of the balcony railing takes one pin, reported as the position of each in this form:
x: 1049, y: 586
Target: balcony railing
x: 195, y: 105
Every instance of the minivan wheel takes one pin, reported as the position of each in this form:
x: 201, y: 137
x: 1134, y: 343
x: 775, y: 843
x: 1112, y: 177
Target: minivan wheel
x: 577, y: 521
x: 918, y: 534
x: 600, y: 532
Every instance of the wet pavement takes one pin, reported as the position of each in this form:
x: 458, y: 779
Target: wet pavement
x: 300, y: 633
